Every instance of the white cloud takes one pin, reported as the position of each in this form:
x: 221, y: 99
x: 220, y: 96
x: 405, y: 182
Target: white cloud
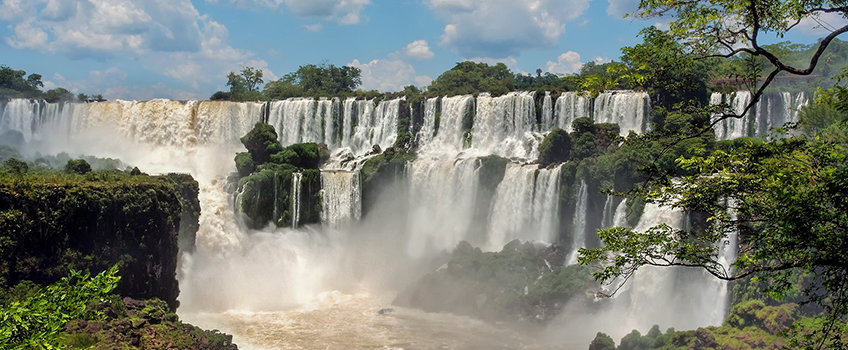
x: 822, y: 24
x: 619, y: 8
x: 568, y: 62
x: 341, y: 11
x: 418, y: 49
x: 389, y: 75
x: 503, y: 28
x: 314, y: 27
x: 165, y: 36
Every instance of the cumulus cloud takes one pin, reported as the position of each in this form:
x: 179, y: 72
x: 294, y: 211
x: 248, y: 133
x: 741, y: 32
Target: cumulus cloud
x: 418, y: 49
x: 567, y: 63
x: 503, y: 28
x: 619, y: 8
x: 166, y: 36
x: 341, y: 11
x: 389, y: 75
x: 314, y: 27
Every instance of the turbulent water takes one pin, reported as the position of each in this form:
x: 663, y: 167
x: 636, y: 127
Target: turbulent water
x: 322, y: 286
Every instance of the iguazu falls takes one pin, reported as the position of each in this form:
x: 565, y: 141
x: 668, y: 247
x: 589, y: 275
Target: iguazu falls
x: 689, y: 194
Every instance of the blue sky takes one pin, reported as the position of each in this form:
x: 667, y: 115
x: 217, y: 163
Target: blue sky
x: 183, y: 49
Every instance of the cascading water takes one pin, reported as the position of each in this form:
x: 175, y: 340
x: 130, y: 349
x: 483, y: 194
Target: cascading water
x: 570, y: 106
x: 341, y: 199
x: 525, y: 206
x: 442, y: 197
x: 628, y: 109
x: 319, y: 275
x: 772, y: 111
x: 578, y: 230
x: 504, y: 125
x: 297, y: 180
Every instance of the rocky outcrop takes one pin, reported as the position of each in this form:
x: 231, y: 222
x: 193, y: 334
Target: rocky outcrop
x: 52, y: 223
x: 522, y: 282
x: 138, y: 324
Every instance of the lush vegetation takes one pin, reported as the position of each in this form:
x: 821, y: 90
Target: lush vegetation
x: 522, y: 282
x: 36, y: 321
x: 785, y: 197
x: 267, y: 171
x: 17, y: 84
x: 52, y: 222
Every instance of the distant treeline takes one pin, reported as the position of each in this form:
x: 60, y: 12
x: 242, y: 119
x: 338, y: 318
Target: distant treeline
x: 658, y: 65
x: 17, y: 84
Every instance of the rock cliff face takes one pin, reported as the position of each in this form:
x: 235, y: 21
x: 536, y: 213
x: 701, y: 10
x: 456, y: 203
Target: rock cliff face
x: 51, y: 223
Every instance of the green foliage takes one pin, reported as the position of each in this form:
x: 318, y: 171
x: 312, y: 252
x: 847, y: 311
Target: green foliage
x: 261, y: 142
x: 244, y: 86
x: 302, y: 155
x: 472, y: 78
x: 516, y: 283
x: 669, y: 75
x: 325, y: 80
x: 53, y: 222
x: 244, y: 164
x: 555, y: 148
x: 15, y: 83
x: 77, y: 166
x: 15, y: 166
x: 789, y: 196
x: 602, y: 342
x: 58, y: 95
x: 37, y: 322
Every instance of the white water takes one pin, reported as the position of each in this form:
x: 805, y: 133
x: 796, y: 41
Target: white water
x: 630, y: 110
x: 578, y: 226
x: 525, y: 206
x: 570, y: 106
x: 297, y: 180
x: 251, y: 282
x: 504, y: 126
x: 341, y: 199
x: 773, y: 111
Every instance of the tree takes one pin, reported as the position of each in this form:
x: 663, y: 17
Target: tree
x: 472, y: 78
x: 37, y: 322
x: 325, y: 80
x: 58, y: 94
x: 786, y: 198
x: 602, y: 342
x: 670, y: 76
x: 77, y: 166
x: 728, y: 28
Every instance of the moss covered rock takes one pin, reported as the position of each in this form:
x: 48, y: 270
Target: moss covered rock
x: 555, y: 148
x: 51, y: 223
x: 520, y: 283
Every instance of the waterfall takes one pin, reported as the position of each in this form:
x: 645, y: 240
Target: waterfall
x: 365, y: 125
x: 341, y: 199
x: 547, y: 112
x: 504, y: 125
x: 513, y: 207
x: 772, y: 111
x: 578, y: 231
x: 570, y: 106
x: 297, y: 179
x: 620, y: 217
x: 607, y: 219
x: 300, y: 120
x: 451, y: 125
x: 442, y: 198
x: 428, y: 129
x: 626, y: 108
